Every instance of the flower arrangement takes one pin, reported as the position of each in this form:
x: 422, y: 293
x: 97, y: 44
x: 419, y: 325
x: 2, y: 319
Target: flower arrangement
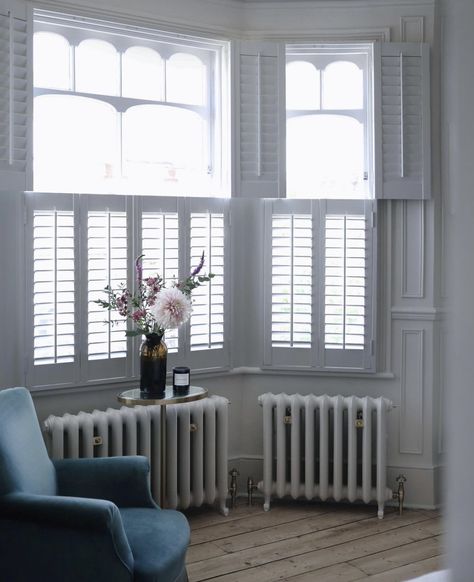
x: 154, y: 308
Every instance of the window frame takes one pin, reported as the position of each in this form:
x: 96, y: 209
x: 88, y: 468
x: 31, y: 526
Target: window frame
x: 215, y: 111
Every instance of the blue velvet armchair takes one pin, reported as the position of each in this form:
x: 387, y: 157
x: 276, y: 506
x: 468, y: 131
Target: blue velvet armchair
x: 79, y: 520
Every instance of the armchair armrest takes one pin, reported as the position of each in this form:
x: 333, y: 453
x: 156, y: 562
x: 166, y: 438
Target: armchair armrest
x: 70, y: 512
x: 122, y: 480
x: 68, y: 538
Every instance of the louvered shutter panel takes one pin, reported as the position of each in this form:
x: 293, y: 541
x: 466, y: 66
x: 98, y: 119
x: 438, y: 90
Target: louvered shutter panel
x: 160, y: 245
x: 402, y: 121
x: 347, y: 269
x: 289, y: 240
x: 207, y: 320
x: 291, y: 280
x: 106, y: 265
x: 261, y: 156
x: 51, y: 237
x: 15, y: 86
x: 207, y: 345
x: 106, y: 240
x: 53, y: 287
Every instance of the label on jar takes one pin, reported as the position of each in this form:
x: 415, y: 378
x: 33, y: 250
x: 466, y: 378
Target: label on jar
x: 181, y: 379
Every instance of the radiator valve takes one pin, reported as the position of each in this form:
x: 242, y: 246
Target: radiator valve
x: 251, y: 487
x: 400, y: 493
x: 233, y: 485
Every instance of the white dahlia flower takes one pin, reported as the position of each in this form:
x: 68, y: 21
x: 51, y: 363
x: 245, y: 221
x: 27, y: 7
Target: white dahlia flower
x: 172, y: 308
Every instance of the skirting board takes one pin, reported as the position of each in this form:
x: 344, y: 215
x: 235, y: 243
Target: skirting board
x: 422, y: 489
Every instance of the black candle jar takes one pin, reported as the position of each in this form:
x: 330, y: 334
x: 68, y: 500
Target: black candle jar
x: 181, y: 379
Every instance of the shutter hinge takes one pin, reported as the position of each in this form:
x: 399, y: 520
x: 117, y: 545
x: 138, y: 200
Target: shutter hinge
x: 374, y: 219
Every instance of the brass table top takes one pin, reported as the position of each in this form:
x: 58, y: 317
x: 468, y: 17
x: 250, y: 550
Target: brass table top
x: 135, y: 397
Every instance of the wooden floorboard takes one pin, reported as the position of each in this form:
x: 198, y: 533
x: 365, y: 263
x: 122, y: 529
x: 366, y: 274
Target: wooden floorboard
x: 306, y: 541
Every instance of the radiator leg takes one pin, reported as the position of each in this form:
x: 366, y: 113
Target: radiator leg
x: 223, y: 509
x: 266, y: 504
x: 380, y: 511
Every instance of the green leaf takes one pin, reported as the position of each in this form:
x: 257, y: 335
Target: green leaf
x: 133, y: 333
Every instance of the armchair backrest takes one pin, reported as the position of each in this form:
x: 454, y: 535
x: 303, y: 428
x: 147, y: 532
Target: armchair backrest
x: 24, y: 462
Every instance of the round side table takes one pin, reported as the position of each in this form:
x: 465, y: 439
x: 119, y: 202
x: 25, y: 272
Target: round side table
x: 135, y: 397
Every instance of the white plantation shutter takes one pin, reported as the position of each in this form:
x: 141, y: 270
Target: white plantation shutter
x: 51, y: 243
x: 347, y: 275
x: 292, y: 244
x: 320, y: 280
x: 160, y: 245
x: 207, y: 320
x: 81, y: 243
x: 208, y: 224
x: 106, y: 240
x: 53, y: 287
x: 344, y: 282
x: 106, y: 265
x: 261, y: 74
x: 15, y: 87
x: 290, y: 294
x: 402, y: 121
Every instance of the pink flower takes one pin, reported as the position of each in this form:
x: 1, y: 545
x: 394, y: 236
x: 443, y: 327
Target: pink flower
x: 138, y: 314
x: 172, y: 308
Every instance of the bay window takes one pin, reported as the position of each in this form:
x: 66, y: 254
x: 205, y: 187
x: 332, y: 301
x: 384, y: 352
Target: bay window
x: 131, y: 155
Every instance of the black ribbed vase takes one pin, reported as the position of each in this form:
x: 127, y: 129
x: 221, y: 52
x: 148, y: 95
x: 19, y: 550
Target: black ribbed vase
x: 153, y: 355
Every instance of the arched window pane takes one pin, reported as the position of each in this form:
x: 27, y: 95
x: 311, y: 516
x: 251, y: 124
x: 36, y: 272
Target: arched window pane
x: 302, y: 86
x: 343, y: 86
x: 185, y: 79
x: 51, y: 61
x: 142, y: 73
x: 97, y: 68
x: 325, y: 157
x: 164, y: 149
x: 74, y: 144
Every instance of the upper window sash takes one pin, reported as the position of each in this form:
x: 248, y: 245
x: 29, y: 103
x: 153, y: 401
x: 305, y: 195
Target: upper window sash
x: 166, y: 112
x: 319, y: 92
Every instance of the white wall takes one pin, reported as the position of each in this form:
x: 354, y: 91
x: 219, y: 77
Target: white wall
x: 458, y: 142
x: 409, y: 327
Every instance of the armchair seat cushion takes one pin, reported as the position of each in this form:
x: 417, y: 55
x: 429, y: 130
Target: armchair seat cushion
x: 158, y: 545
